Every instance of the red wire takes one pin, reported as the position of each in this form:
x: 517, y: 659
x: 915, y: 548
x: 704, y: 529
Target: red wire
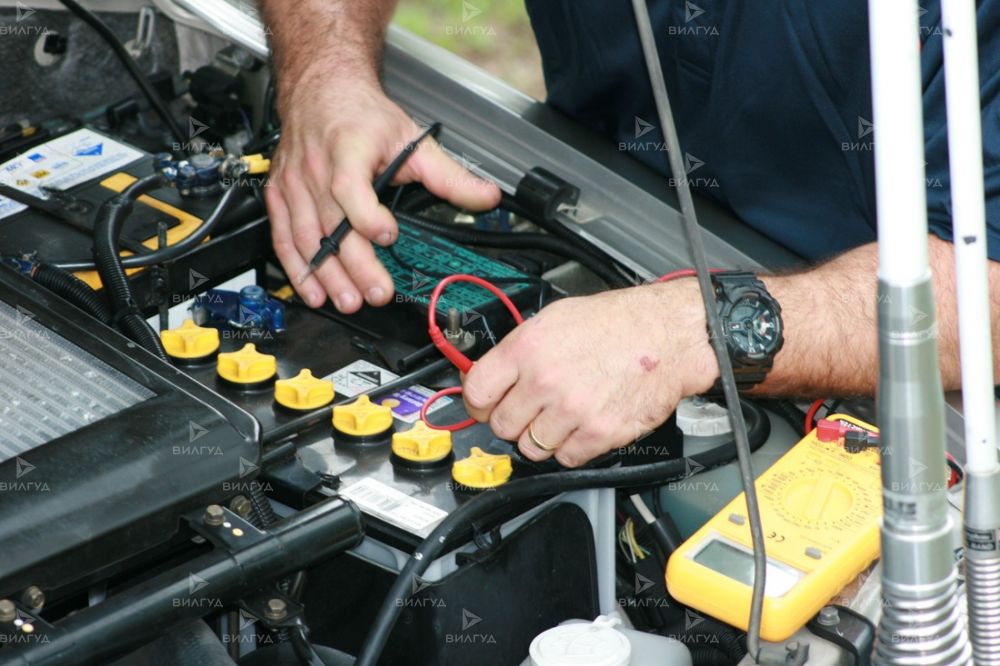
x: 684, y: 272
x: 811, y: 414
x: 451, y: 390
x: 458, y: 359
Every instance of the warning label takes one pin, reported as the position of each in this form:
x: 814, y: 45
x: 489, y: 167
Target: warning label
x: 62, y: 163
x: 360, y: 377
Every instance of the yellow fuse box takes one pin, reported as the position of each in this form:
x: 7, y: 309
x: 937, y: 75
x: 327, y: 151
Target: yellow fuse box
x: 820, y: 508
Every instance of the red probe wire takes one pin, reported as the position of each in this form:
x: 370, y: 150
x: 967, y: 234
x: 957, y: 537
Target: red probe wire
x: 811, y: 414
x: 450, y: 352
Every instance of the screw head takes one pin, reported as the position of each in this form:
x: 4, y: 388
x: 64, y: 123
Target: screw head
x: 277, y: 609
x: 829, y: 616
x: 241, y: 506
x: 214, y: 515
x: 33, y: 597
x: 8, y: 611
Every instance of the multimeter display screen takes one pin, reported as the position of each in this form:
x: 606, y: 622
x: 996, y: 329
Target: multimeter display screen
x: 738, y: 565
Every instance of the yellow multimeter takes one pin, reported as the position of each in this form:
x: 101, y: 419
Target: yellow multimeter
x: 820, y: 508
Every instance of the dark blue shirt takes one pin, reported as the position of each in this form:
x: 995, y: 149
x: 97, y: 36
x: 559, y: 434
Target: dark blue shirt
x: 772, y: 100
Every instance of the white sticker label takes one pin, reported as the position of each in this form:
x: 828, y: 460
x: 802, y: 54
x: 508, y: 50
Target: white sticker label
x: 62, y: 163
x: 377, y: 499
x: 359, y: 377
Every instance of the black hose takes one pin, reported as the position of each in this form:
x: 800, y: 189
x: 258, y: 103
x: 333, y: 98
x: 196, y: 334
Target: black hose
x: 107, y: 229
x: 304, y: 650
x: 263, y: 512
x: 171, y: 252
x: 485, y: 503
x: 789, y: 413
x: 126, y: 59
x: 74, y: 290
x: 516, y: 241
x: 510, y: 203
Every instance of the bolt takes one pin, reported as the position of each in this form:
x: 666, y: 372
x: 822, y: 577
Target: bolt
x: 829, y: 616
x: 241, y: 506
x: 8, y: 611
x: 33, y: 598
x: 277, y: 609
x: 215, y: 515
x: 454, y: 322
x: 792, y: 647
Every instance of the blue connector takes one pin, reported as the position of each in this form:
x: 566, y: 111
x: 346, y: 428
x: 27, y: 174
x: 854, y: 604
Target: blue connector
x: 250, y: 309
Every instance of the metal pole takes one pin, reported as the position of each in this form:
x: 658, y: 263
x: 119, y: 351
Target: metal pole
x: 921, y: 622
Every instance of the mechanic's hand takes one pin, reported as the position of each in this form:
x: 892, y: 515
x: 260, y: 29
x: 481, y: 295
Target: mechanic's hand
x: 592, y: 374
x: 336, y: 137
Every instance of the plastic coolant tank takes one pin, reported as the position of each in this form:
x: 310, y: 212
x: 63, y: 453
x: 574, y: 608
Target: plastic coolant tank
x: 603, y: 643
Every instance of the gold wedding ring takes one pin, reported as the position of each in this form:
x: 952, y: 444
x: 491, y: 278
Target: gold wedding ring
x: 536, y: 441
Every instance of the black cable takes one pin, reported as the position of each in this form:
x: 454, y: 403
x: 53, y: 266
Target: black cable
x: 304, y: 650
x: 788, y: 412
x: 107, y: 229
x: 420, y: 199
x: 689, y: 215
x: 260, y: 504
x: 74, y: 290
x: 516, y: 241
x: 171, y: 252
x: 126, y: 59
x: 483, y: 504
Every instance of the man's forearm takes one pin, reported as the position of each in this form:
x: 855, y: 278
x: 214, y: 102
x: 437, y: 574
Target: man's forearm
x: 830, y: 317
x: 331, y: 38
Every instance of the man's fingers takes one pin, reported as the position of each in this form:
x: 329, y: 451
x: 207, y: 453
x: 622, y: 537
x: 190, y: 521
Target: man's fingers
x: 351, y: 188
x: 586, y: 443
x: 512, y: 415
x: 306, y: 232
x: 447, y: 179
x: 365, y: 270
x: 550, y: 429
x: 310, y: 290
x: 487, y: 383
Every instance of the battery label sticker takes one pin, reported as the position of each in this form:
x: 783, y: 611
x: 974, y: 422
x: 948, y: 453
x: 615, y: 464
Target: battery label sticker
x: 360, y: 377
x: 387, y: 503
x: 409, y: 401
x: 62, y: 163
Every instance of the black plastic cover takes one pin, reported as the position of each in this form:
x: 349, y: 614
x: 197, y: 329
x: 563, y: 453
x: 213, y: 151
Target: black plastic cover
x: 116, y: 487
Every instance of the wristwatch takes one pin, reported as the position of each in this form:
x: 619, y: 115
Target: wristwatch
x: 751, y: 324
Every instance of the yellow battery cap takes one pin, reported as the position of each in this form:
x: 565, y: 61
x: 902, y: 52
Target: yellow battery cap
x: 303, y: 392
x: 362, y: 418
x: 246, y: 366
x: 190, y: 342
x: 482, y: 470
x: 421, y: 445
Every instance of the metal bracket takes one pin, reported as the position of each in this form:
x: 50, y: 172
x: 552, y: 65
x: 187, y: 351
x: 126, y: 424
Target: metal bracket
x: 224, y: 528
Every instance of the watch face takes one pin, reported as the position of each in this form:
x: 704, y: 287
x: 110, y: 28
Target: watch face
x: 753, y: 327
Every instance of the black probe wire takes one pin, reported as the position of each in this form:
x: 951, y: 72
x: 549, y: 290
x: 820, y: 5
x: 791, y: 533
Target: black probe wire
x: 126, y: 58
x: 693, y: 232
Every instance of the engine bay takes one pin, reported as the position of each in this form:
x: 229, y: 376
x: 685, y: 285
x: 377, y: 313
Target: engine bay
x: 252, y: 494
